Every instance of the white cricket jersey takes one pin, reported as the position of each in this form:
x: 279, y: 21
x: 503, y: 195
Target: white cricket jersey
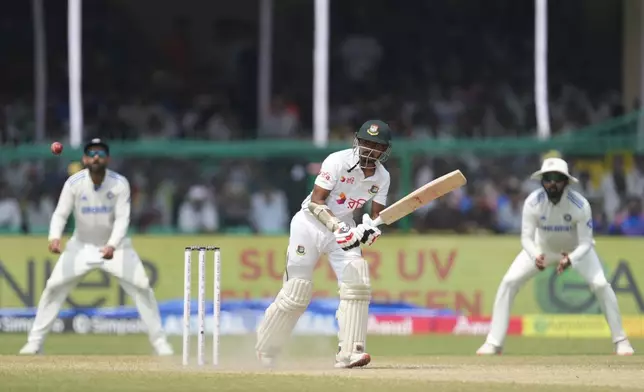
x: 551, y: 229
x: 101, y: 213
x: 349, y: 188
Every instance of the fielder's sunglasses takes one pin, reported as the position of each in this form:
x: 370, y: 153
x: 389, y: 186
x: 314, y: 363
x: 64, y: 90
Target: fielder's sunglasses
x: 548, y: 177
x: 96, y: 153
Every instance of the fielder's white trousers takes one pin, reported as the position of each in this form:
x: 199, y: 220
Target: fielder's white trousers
x: 78, y: 260
x: 523, y: 268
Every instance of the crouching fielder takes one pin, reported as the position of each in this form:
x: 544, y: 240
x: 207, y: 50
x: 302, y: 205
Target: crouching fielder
x: 557, y: 228
x: 347, y: 180
x: 100, y: 200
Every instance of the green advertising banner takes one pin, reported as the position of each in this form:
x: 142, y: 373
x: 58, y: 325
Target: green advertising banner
x: 457, y: 272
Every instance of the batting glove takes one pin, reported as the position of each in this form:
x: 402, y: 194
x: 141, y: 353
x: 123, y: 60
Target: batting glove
x: 371, y: 231
x: 348, y: 237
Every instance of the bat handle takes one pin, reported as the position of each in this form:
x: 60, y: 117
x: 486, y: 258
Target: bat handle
x: 377, y: 221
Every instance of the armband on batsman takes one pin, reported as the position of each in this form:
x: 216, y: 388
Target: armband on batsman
x: 322, y: 213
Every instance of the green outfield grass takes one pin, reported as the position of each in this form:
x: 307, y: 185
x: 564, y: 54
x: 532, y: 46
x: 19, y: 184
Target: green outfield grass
x: 431, y: 363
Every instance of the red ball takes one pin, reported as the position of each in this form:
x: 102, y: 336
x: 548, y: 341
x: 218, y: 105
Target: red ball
x: 56, y: 148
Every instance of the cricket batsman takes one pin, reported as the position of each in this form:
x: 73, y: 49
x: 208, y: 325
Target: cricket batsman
x: 100, y: 200
x: 348, y: 179
x: 557, y: 228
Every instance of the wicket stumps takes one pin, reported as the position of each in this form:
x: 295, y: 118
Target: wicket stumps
x: 201, y: 304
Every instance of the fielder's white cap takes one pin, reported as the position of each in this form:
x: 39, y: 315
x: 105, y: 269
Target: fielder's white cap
x: 553, y: 165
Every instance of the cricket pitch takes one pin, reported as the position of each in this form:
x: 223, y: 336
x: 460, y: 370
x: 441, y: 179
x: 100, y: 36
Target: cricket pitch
x: 82, y: 363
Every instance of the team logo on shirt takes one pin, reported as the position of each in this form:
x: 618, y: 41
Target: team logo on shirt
x: 110, y: 195
x: 373, y: 130
x: 356, y: 203
x: 342, y: 199
x: 374, y: 189
x: 567, y: 217
x: 300, y: 250
x: 97, y: 210
x: 325, y: 175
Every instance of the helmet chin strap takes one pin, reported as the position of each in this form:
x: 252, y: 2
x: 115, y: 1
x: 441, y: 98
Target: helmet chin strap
x: 358, y: 165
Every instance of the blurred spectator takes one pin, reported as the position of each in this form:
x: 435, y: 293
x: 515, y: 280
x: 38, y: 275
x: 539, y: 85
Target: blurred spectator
x: 237, y: 201
x: 282, y: 122
x: 637, y: 177
x: 198, y: 213
x: 448, y: 109
x: 630, y: 222
x: 178, y: 46
x: 10, y: 213
x: 586, y: 186
x: 269, y: 210
x: 361, y: 55
x: 617, y: 184
x: 444, y: 217
x: 600, y: 223
x: 481, y: 218
x: 436, y: 70
x: 509, y: 214
x: 39, y: 207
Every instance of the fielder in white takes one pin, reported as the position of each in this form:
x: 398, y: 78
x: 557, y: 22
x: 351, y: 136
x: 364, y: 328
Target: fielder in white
x: 348, y: 179
x: 557, y: 229
x: 100, y: 200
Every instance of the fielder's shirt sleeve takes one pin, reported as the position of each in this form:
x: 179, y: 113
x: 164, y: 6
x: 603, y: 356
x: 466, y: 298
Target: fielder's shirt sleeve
x: 61, y: 214
x: 383, y: 192
x: 584, y: 232
x: 329, y: 174
x: 121, y: 215
x: 528, y: 230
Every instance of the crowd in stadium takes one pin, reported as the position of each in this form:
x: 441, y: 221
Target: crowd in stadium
x: 434, y: 70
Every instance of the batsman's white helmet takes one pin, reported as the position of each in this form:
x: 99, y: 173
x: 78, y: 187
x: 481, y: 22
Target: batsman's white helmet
x: 553, y: 165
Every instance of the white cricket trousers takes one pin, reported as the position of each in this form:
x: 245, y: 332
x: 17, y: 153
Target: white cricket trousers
x: 523, y: 268
x: 70, y: 269
x: 308, y: 240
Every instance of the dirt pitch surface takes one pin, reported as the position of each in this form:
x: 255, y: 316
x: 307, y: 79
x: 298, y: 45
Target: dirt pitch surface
x: 99, y: 363
x: 135, y: 373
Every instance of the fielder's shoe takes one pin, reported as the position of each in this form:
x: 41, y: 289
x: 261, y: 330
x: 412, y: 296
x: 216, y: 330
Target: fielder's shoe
x: 624, y: 348
x: 31, y: 348
x: 356, y: 359
x: 266, y: 360
x: 489, y: 349
x: 163, y: 348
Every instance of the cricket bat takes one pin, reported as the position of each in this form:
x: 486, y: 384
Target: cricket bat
x: 420, y: 197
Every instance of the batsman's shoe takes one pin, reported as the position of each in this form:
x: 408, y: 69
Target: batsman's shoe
x: 624, y: 348
x: 354, y: 361
x: 163, y: 348
x: 489, y: 349
x: 266, y: 360
x: 31, y: 348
